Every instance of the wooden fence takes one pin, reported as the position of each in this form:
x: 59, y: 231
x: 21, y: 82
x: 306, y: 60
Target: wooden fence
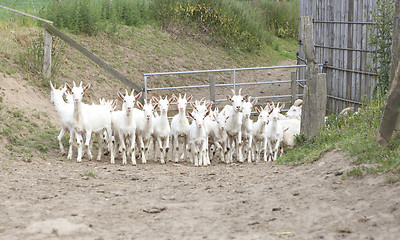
x: 341, y: 32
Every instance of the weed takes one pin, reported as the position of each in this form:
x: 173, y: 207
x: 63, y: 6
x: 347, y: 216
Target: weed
x: 90, y: 174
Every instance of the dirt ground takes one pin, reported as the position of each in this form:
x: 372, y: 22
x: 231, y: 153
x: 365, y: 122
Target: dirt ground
x: 60, y: 199
x: 54, y: 199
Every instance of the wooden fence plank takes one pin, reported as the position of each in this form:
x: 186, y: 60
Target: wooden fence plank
x: 91, y: 56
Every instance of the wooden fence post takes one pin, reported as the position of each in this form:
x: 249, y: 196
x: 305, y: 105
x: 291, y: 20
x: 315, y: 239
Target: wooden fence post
x: 391, y: 113
x: 212, y: 89
x: 315, y: 92
x: 293, y: 87
x: 396, y: 42
x: 47, y: 45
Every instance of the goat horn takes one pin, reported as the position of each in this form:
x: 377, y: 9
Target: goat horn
x: 240, y: 91
x: 126, y: 92
x: 80, y: 85
x: 74, y: 83
x: 51, y: 85
x: 233, y: 91
x: 133, y: 92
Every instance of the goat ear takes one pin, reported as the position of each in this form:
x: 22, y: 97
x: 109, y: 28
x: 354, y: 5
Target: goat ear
x: 190, y: 115
x: 155, y: 106
x: 282, y: 106
x: 139, y: 105
x: 68, y: 87
x: 254, y: 101
x: 270, y: 111
x: 189, y: 98
x: 207, y: 113
x: 172, y: 99
x: 229, y: 98
x: 114, y: 104
x: 193, y: 106
x: 121, y: 96
x: 86, y: 88
x: 137, y: 96
x: 245, y: 98
x: 209, y: 105
x: 155, y: 99
x: 258, y: 110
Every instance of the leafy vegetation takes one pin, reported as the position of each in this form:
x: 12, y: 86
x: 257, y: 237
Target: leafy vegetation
x: 232, y: 24
x: 381, y: 38
x: 355, y: 135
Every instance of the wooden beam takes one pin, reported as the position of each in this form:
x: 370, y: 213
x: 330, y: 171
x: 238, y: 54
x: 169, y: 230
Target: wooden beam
x: 315, y: 92
x: 212, y: 89
x: 91, y: 56
x: 293, y: 87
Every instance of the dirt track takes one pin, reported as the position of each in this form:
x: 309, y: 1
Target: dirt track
x: 54, y: 199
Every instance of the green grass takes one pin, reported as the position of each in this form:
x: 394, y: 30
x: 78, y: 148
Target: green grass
x: 25, y: 137
x: 355, y: 135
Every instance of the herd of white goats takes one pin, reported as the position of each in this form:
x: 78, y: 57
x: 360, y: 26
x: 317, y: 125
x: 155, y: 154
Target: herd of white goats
x: 225, y: 134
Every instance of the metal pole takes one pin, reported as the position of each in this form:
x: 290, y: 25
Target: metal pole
x: 234, y: 81
x: 145, y: 88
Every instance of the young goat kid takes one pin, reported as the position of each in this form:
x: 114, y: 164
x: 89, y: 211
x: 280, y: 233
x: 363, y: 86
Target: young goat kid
x: 180, y: 127
x: 274, y: 133
x: 144, y: 127
x: 161, y: 128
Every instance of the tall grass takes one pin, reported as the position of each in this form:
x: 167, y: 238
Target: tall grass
x: 244, y: 25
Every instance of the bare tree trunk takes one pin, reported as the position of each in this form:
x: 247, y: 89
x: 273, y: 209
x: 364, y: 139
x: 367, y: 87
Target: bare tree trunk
x: 391, y: 112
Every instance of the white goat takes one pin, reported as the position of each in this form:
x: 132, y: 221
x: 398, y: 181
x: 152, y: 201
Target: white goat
x: 217, y: 134
x: 198, y: 138
x: 180, y: 127
x: 202, y: 108
x: 144, y: 127
x: 65, y: 112
x: 161, y: 128
x: 247, y: 128
x: 258, y: 131
x: 274, y: 133
x: 89, y: 118
x: 124, y: 124
x: 234, y: 126
x: 291, y: 128
x: 294, y: 112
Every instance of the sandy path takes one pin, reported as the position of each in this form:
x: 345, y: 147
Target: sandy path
x: 54, y: 200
